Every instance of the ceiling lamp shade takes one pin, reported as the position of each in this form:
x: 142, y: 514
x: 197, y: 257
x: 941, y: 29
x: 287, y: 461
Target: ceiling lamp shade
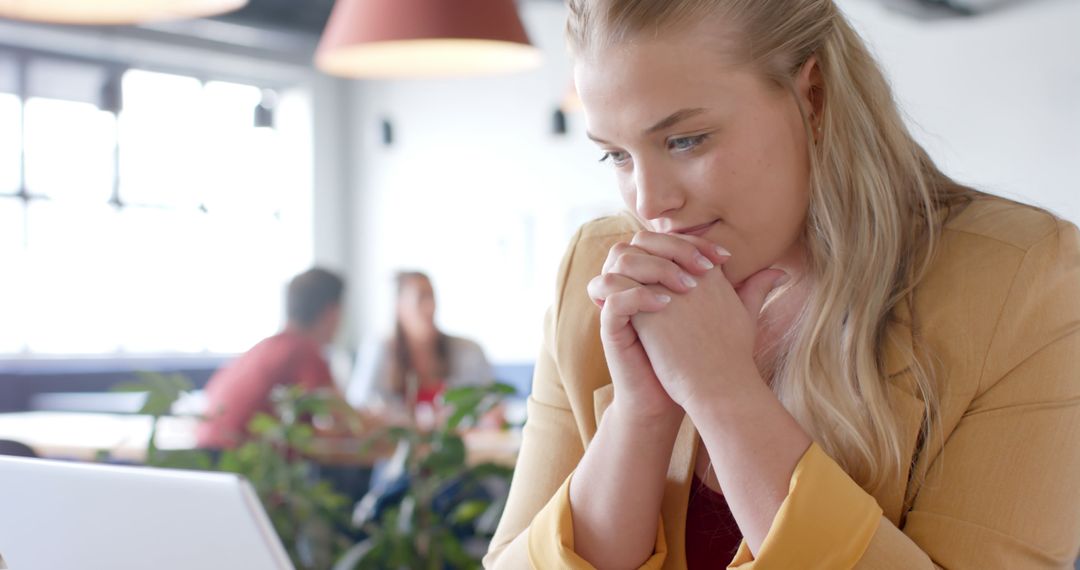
x: 113, y: 12
x: 424, y: 38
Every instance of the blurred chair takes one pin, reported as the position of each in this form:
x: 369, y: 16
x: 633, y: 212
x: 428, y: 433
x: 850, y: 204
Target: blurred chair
x: 16, y: 449
x: 517, y: 374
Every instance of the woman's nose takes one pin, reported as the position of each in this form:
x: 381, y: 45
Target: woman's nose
x: 656, y: 192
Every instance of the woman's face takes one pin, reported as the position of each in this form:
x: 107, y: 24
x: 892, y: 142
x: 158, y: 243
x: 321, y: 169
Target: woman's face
x: 416, y: 305
x: 700, y: 146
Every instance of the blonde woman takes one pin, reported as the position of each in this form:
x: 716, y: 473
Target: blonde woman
x: 806, y: 347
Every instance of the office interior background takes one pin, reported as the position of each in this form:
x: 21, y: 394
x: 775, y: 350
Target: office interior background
x: 161, y: 182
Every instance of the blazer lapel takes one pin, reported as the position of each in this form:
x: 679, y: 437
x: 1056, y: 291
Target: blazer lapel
x: 898, y: 340
x: 602, y: 398
x: 899, y: 350
x: 677, y: 493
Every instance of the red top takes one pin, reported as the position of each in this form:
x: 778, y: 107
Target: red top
x: 428, y: 394
x: 712, y: 535
x: 239, y: 390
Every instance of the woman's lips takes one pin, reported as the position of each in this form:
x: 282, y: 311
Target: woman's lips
x: 697, y: 230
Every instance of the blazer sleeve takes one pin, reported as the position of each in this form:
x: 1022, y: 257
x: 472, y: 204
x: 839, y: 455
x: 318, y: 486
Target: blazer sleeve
x: 551, y: 446
x: 1003, y: 492
x: 536, y: 530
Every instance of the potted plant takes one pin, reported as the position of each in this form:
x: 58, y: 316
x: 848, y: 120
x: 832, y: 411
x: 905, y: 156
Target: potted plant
x: 432, y: 510
x: 311, y: 518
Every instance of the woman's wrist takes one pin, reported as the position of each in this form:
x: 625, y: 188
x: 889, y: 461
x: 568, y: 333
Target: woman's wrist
x: 727, y: 396
x: 659, y: 425
x: 622, y: 478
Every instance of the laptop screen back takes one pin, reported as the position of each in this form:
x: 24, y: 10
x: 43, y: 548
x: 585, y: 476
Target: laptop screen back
x: 56, y: 515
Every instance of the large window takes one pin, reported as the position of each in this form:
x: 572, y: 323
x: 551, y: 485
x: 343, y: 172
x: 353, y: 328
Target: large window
x: 145, y: 212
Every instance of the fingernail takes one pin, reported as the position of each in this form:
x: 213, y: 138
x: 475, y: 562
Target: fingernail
x: 722, y: 252
x: 688, y: 280
x: 703, y: 261
x: 780, y: 282
x: 665, y: 299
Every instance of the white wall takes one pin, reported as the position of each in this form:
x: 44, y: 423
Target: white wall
x: 995, y: 99
x: 477, y: 191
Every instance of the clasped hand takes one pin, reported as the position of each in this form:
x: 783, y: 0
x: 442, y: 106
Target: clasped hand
x: 675, y: 330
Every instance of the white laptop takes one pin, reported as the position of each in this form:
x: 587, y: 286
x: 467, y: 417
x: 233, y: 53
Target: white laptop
x: 73, y: 516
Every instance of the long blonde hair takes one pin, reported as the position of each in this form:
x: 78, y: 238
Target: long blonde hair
x: 877, y: 203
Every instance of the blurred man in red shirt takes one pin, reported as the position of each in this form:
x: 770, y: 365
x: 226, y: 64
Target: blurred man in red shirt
x: 242, y: 388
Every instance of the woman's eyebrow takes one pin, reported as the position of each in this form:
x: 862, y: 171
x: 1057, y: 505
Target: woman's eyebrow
x: 674, y: 119
x: 667, y: 122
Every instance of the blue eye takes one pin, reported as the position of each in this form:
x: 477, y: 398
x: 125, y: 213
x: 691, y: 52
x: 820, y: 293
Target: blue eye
x: 682, y: 144
x: 618, y: 158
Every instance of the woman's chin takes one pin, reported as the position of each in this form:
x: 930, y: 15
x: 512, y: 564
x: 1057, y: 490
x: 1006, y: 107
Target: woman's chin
x: 737, y: 274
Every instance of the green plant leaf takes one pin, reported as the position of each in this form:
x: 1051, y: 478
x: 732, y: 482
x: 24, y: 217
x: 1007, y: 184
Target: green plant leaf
x: 455, y: 553
x: 185, y: 459
x: 461, y: 393
x: 467, y: 511
x: 398, y: 433
x: 468, y: 403
x: 162, y: 390
x: 456, y: 417
x: 489, y: 469
x: 262, y: 424
x: 447, y: 453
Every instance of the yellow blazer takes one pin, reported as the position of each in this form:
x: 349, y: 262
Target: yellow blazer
x: 1000, y: 311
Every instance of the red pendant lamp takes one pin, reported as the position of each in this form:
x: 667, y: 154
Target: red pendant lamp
x: 424, y: 38
x: 112, y: 12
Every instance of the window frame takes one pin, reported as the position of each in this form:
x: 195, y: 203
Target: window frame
x: 113, y: 70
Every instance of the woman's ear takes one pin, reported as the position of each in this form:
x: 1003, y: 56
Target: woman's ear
x: 811, y: 90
